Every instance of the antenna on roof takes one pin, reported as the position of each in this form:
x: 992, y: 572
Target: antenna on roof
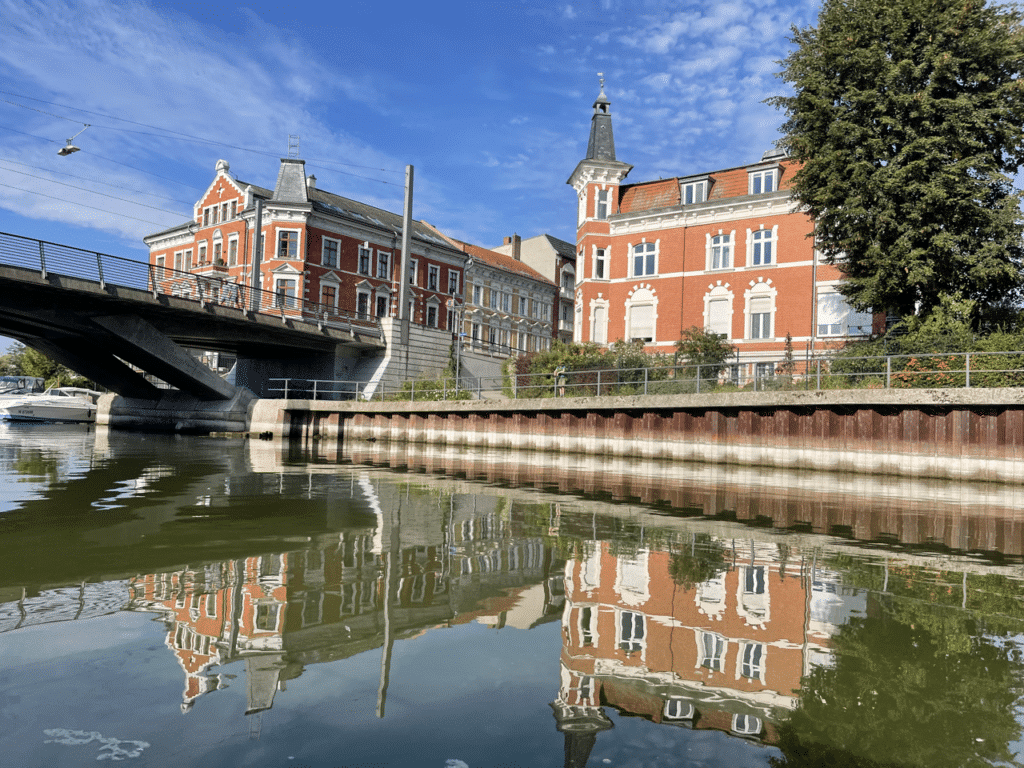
x: 293, y: 145
x: 70, y: 148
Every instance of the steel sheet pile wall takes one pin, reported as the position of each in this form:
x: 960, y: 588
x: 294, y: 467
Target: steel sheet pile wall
x: 979, y: 440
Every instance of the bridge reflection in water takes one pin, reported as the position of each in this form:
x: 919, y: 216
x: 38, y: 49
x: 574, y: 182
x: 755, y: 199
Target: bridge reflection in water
x: 710, y: 606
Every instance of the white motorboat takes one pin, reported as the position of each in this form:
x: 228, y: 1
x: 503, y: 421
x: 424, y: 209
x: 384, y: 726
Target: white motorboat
x: 12, y: 387
x: 66, y: 404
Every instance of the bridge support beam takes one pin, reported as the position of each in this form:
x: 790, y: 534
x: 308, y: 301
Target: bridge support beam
x: 105, y: 369
x: 143, y: 345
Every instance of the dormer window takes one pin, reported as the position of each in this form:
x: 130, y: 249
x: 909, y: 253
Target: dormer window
x: 763, y: 180
x: 694, y: 190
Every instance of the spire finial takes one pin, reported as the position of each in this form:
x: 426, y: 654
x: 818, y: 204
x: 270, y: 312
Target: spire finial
x: 600, y: 77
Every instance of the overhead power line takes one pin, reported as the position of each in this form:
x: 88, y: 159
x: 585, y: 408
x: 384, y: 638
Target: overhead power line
x: 83, y: 205
x: 167, y: 132
x: 97, y: 181
x: 93, y: 192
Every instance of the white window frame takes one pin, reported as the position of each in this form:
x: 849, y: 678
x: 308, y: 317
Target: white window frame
x: 631, y: 628
x: 602, y: 204
x: 599, y: 335
x: 843, y: 327
x: 369, y: 309
x: 298, y: 244
x: 433, y: 277
x: 330, y: 282
x: 750, y: 661
x: 201, y: 258
x: 232, y: 250
x: 414, y: 272
x: 364, y: 257
x: 761, y: 246
x: 718, y: 293
x: 693, y: 191
x: 323, y: 252
x: 760, y: 290
x: 719, y: 647
x: 761, y: 181
x: 432, y: 304
x: 721, y: 246
x: 648, y: 253
x: 581, y: 209
x: 383, y: 265
x: 600, y: 263
x: 478, y: 295
x: 454, y: 280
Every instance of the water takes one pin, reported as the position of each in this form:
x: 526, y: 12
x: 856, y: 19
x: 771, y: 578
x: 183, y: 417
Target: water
x: 170, y: 601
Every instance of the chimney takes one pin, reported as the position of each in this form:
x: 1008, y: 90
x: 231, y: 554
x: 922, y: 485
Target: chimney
x: 517, y: 247
x: 311, y: 182
x: 508, y: 241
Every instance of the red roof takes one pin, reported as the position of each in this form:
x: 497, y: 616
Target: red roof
x: 649, y: 195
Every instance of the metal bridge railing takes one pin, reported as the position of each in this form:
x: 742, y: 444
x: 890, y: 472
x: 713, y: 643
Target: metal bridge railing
x: 953, y: 370
x: 207, y: 284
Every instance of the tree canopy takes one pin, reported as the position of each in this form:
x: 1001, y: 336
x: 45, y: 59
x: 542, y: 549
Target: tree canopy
x: 908, y: 119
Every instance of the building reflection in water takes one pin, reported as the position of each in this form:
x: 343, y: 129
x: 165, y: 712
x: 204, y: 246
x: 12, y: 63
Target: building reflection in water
x: 687, y: 620
x: 424, y: 567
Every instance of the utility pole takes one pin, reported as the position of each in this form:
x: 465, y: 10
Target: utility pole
x: 257, y: 256
x: 403, y: 275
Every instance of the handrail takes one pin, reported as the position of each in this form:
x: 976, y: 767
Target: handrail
x: 210, y: 285
x: 905, y: 371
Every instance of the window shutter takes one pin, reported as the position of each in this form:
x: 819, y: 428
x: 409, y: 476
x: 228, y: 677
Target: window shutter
x: 760, y: 305
x: 641, y: 321
x: 718, y: 316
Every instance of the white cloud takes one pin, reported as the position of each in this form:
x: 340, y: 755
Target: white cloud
x: 568, y: 12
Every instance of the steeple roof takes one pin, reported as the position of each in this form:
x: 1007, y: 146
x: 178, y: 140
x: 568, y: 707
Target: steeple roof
x: 602, y: 142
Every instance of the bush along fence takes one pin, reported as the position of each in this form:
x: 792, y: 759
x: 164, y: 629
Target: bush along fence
x: 929, y: 371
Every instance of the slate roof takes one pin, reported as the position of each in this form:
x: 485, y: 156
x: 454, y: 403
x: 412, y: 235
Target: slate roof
x: 495, y: 259
x: 562, y: 248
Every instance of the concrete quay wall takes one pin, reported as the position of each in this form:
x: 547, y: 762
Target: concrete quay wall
x: 964, y: 434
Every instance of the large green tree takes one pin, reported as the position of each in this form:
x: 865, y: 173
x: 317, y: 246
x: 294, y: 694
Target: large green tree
x: 907, y: 116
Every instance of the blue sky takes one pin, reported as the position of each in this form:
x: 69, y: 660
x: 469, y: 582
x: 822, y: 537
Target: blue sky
x: 490, y: 101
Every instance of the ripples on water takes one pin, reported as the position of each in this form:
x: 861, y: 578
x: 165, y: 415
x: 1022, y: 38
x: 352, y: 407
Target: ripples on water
x: 193, y: 601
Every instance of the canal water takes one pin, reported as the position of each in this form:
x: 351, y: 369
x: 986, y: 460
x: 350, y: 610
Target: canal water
x: 186, y: 601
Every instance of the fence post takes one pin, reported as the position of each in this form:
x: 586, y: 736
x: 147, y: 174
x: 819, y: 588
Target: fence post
x: 888, y: 371
x: 698, y: 379
x: 968, y: 369
x: 99, y: 268
x: 412, y: 395
x: 598, y: 382
x: 647, y: 372
x: 314, y: 388
x: 42, y: 261
x: 286, y: 389
x: 818, y: 364
x: 479, y: 387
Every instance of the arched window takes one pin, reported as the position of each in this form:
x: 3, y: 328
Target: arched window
x: 641, y: 315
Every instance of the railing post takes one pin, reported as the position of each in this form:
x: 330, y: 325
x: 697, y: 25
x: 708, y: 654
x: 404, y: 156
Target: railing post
x: 413, y: 391
x: 967, y: 369
x: 598, y: 382
x: 42, y: 261
x: 152, y: 280
x: 888, y: 371
x: 286, y: 389
x: 818, y: 365
x: 99, y: 268
x: 314, y: 388
x: 646, y: 378
x: 698, y: 379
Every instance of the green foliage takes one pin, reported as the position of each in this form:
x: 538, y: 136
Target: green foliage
x: 702, y: 560
x: 699, y: 346
x: 788, y: 365
x: 923, y: 354
x: 907, y: 118
x: 22, y: 360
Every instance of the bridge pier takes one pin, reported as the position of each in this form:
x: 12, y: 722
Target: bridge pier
x: 177, y: 411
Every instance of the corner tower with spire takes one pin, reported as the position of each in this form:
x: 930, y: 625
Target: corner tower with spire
x: 596, y: 180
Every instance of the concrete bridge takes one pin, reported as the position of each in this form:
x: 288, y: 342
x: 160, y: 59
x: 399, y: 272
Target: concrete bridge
x: 113, y: 319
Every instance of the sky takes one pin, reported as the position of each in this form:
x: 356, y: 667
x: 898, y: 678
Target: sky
x: 489, y: 101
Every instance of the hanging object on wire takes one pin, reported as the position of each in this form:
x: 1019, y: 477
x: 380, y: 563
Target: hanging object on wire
x: 70, y: 148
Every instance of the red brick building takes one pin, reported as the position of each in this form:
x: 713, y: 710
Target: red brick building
x: 319, y: 249
x: 728, y: 250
